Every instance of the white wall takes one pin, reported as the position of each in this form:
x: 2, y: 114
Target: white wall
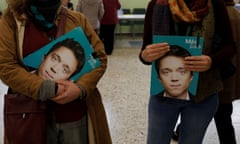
x: 3, y: 5
x: 3, y: 90
x: 124, y: 3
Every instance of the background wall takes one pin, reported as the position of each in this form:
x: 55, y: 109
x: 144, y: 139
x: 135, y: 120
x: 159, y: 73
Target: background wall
x: 127, y: 3
x: 3, y: 5
x: 124, y: 3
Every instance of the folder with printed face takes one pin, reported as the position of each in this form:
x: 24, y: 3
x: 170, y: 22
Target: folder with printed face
x: 34, y: 59
x: 192, y: 45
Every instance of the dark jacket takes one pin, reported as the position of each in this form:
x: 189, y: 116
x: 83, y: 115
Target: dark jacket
x: 209, y: 81
x: 232, y: 84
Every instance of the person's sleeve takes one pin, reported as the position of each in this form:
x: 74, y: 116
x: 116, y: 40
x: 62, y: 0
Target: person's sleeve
x: 78, y: 8
x: 47, y: 90
x: 118, y: 5
x: 12, y: 71
x: 101, y: 11
x: 147, y: 34
x: 226, y: 47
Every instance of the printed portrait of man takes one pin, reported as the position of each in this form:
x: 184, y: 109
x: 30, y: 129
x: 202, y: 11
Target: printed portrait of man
x: 63, y: 60
x: 172, y: 74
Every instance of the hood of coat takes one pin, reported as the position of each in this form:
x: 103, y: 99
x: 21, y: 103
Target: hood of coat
x: 91, y: 2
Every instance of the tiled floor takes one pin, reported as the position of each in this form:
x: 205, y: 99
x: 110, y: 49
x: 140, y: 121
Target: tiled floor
x: 125, y: 91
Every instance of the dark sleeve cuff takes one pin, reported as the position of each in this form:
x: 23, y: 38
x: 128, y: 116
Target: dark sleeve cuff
x: 47, y: 90
x: 143, y: 61
x: 83, y: 91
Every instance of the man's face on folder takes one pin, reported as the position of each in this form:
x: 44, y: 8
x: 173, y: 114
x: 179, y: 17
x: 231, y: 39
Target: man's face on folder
x: 59, y: 64
x: 174, y: 77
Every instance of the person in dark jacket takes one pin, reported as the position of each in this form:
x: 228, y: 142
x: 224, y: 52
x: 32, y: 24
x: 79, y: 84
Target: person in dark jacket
x: 187, y: 18
x: 108, y: 24
x: 223, y: 119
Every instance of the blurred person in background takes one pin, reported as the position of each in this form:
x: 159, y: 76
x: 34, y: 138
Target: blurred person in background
x: 68, y: 4
x: 93, y: 10
x: 108, y: 24
x: 223, y: 119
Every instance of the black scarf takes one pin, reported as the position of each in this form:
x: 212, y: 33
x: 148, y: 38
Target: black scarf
x: 161, y: 20
x: 44, y: 12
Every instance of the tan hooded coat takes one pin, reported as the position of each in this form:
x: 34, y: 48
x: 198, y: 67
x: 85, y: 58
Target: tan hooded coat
x: 13, y: 74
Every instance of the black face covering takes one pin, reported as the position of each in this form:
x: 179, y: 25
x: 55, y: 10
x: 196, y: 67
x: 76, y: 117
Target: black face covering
x: 44, y: 12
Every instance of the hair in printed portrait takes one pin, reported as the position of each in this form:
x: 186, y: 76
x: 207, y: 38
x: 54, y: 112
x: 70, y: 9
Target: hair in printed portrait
x: 176, y: 51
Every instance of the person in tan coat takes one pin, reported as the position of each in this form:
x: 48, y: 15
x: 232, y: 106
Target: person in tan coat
x: 28, y: 25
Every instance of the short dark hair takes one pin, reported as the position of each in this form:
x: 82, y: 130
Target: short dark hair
x: 176, y: 51
x: 75, y: 47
